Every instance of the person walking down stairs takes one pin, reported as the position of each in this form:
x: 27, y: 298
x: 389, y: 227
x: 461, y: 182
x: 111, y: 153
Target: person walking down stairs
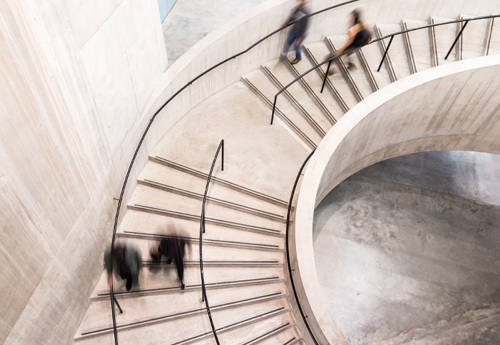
x: 300, y: 15
x: 174, y: 249
x: 358, y: 35
x: 125, y: 261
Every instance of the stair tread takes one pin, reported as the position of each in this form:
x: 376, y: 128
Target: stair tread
x: 445, y: 36
x: 420, y: 43
x: 474, y: 37
x: 266, y: 87
x: 494, y: 47
x: 320, y: 51
x: 397, y: 50
x: 280, y: 71
x: 358, y: 74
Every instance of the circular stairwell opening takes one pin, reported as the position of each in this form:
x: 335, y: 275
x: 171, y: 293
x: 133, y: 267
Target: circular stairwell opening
x: 407, y: 250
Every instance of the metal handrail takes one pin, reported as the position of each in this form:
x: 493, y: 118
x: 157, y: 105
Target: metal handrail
x: 124, y: 185
x: 202, y: 231
x: 329, y: 61
x: 304, y: 317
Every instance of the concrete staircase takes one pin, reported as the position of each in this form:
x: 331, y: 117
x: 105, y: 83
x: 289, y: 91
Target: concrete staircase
x: 244, y: 244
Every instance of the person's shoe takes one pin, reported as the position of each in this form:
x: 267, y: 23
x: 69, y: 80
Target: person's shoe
x: 183, y: 286
x: 282, y: 58
x: 351, y: 66
x: 296, y: 60
x: 129, y: 285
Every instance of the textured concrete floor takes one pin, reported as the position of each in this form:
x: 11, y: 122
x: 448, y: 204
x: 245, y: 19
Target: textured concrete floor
x: 408, y: 250
x: 191, y: 20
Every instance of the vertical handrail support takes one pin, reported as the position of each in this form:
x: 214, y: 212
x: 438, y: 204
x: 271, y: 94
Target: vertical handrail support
x: 385, y: 54
x: 456, y: 39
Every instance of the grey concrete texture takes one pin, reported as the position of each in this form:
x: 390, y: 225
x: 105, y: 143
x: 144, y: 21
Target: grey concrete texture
x: 191, y: 20
x: 406, y: 253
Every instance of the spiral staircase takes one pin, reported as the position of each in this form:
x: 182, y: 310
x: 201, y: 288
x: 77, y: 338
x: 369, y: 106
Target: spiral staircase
x: 244, y: 252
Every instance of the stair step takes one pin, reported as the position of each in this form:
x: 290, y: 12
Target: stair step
x: 147, y: 310
x: 356, y: 78
x: 215, y: 179
x: 474, y: 37
x: 494, y: 36
x: 159, y: 172
x: 267, y: 91
x: 253, y: 250
x: 146, y: 194
x: 281, y: 76
x: 164, y: 280
x: 420, y: 44
x: 320, y: 52
x: 247, y: 332
x: 372, y: 54
x: 397, y: 53
x: 444, y: 36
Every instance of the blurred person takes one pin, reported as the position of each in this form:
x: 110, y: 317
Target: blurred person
x: 358, y: 35
x: 173, y: 249
x: 300, y: 15
x: 125, y: 261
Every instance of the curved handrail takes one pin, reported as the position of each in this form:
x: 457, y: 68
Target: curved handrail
x: 288, y: 249
x: 202, y: 230
x: 124, y: 185
x: 391, y: 36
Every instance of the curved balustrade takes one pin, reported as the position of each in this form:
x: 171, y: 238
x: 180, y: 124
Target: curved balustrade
x: 202, y: 230
x: 391, y: 36
x: 304, y: 317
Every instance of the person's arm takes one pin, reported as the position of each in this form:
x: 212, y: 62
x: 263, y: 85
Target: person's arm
x: 351, y: 34
x: 289, y: 20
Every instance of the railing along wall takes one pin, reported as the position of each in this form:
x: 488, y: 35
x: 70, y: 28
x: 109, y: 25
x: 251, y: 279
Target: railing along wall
x: 391, y: 36
x: 202, y: 231
x: 290, y: 270
x: 139, y: 145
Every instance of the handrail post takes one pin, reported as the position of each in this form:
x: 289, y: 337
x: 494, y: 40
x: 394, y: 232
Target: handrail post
x: 115, y: 331
x: 118, y: 305
x: 456, y: 39
x: 385, y: 54
x: 326, y: 75
x: 287, y: 244
x: 222, y: 159
x: 274, y: 107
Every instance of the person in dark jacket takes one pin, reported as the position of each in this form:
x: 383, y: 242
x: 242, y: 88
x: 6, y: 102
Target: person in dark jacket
x: 125, y: 261
x: 300, y: 15
x: 173, y: 249
x: 358, y: 35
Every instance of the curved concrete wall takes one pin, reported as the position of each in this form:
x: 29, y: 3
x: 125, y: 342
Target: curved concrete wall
x: 75, y: 78
x: 453, y: 107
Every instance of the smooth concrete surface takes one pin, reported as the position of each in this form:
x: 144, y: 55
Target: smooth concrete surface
x: 407, y: 245
x: 64, y: 68
x: 382, y: 132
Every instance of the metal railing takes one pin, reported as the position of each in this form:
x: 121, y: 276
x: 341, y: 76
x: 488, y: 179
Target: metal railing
x: 304, y: 317
x: 139, y: 145
x: 202, y: 231
x: 391, y: 36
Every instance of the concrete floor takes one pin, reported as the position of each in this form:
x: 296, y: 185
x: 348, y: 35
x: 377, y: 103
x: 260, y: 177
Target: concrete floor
x: 408, y: 250
x: 191, y: 20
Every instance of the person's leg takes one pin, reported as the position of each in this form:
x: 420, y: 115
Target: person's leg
x: 298, y: 51
x: 292, y: 36
x: 348, y: 52
x: 180, y: 271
